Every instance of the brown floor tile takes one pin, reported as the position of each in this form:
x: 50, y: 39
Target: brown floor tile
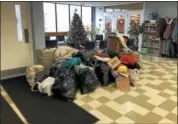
x: 164, y: 94
x: 87, y: 107
x: 151, y: 118
x: 156, y: 73
x: 124, y: 99
x: 103, y: 100
x: 159, y: 87
x: 134, y: 116
x: 172, y: 117
x: 111, y: 113
x: 111, y: 88
x: 139, y: 90
x: 87, y: 99
x: 168, y: 105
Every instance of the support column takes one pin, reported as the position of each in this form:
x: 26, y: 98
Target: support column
x: 38, y: 33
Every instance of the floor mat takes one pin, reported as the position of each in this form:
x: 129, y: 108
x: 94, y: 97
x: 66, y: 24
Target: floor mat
x: 8, y: 116
x: 41, y: 109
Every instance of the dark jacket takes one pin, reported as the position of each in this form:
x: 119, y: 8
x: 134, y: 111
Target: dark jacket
x: 162, y: 27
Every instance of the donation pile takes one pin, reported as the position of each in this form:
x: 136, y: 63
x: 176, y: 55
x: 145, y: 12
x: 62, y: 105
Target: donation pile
x: 82, y: 70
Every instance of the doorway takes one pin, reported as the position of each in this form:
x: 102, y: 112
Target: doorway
x: 16, y: 37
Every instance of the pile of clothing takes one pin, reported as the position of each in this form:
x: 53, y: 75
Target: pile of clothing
x: 81, y: 70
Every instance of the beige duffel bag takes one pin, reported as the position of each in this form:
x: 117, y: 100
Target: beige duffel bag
x: 46, y: 57
x: 30, y: 73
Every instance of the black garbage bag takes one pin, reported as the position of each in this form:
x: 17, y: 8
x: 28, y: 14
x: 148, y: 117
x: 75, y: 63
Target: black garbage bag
x: 102, y: 71
x: 93, y: 62
x: 84, y: 56
x: 65, y: 86
x: 88, y: 80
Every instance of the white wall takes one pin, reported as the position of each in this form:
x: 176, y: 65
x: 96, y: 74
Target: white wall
x: 168, y: 9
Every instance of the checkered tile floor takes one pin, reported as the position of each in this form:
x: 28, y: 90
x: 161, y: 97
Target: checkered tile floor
x: 152, y: 100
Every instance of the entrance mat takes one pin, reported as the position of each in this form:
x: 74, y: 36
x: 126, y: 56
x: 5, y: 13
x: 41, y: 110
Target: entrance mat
x: 8, y: 116
x: 41, y: 109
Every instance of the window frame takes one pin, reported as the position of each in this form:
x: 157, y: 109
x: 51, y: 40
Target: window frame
x: 57, y: 17
x: 54, y: 14
x: 68, y: 12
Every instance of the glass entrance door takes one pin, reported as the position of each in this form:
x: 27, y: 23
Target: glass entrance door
x: 120, y: 23
x: 108, y: 19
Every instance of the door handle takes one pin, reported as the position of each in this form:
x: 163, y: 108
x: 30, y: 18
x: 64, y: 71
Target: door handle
x: 26, y: 35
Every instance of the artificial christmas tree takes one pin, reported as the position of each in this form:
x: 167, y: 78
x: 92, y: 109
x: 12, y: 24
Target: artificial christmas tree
x: 77, y: 32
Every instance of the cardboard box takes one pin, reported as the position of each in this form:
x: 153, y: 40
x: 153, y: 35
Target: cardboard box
x: 123, y: 83
x: 113, y: 63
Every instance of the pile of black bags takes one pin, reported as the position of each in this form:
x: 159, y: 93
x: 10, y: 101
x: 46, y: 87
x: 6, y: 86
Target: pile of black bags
x: 84, y: 73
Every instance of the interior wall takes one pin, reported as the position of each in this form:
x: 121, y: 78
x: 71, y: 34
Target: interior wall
x: 168, y: 9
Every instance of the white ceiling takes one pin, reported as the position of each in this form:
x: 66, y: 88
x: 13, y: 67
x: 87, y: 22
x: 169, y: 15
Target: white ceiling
x: 98, y: 4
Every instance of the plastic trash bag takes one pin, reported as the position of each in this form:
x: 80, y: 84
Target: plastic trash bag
x: 88, y: 80
x: 84, y: 56
x: 102, y: 71
x: 65, y: 85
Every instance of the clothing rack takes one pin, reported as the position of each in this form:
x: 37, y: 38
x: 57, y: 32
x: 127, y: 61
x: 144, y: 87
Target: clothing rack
x: 168, y: 35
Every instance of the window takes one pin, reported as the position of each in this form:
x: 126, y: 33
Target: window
x: 57, y: 19
x: 72, y: 11
x: 62, y: 18
x: 108, y: 10
x: 19, y: 23
x: 86, y: 17
x: 49, y: 17
x: 117, y: 10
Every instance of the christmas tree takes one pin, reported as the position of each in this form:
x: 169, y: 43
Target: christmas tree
x: 77, y: 32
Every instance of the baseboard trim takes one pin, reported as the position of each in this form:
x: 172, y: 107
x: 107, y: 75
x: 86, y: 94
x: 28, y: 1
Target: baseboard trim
x: 11, y: 73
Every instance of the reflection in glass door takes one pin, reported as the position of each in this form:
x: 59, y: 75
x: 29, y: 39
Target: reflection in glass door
x: 121, y: 24
x: 108, y: 23
x: 134, y: 20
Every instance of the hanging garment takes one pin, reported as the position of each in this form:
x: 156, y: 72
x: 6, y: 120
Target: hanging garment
x: 166, y: 47
x: 162, y: 27
x: 174, y: 49
x: 46, y: 85
x: 169, y: 30
x: 175, y: 34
